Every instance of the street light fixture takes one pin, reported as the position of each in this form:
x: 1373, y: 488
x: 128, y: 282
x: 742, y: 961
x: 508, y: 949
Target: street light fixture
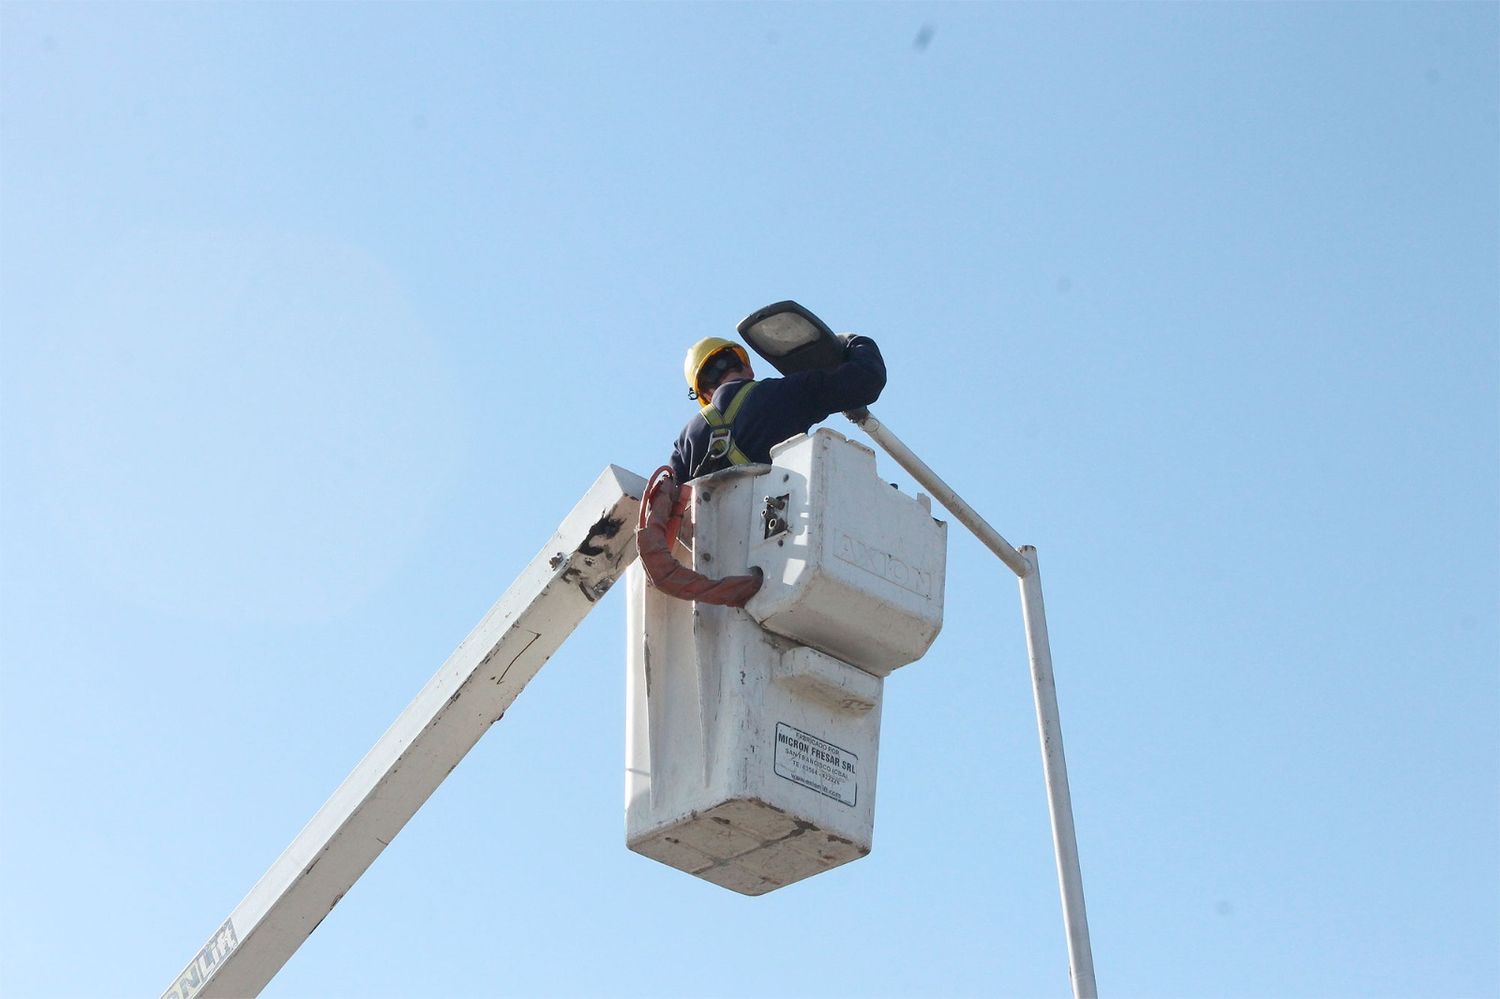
x: 791, y: 338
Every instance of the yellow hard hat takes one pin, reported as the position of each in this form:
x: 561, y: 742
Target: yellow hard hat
x: 698, y: 355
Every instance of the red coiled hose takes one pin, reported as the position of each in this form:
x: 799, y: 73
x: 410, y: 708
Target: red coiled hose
x: 662, y: 508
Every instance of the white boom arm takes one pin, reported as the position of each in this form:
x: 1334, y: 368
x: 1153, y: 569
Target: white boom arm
x: 590, y: 550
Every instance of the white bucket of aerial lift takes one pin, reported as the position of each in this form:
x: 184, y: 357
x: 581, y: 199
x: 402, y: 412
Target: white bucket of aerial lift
x: 750, y: 756
x: 852, y: 567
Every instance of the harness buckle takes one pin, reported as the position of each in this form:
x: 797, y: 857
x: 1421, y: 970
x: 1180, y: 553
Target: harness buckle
x: 718, y: 443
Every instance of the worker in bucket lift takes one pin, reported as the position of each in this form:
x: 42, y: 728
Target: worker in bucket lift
x: 742, y: 419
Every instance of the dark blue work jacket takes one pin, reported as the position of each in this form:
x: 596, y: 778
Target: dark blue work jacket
x: 783, y: 407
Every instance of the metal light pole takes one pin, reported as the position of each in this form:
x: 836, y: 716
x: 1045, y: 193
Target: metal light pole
x: 1055, y: 769
x: 793, y: 339
x: 1049, y: 725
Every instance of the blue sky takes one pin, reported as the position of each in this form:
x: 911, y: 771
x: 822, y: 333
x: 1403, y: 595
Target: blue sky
x: 317, y: 319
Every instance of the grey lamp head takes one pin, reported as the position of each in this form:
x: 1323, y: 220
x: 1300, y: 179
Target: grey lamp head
x: 791, y: 338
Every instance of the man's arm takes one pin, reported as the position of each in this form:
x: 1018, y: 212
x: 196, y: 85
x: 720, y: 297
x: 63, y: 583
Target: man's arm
x: 682, y: 456
x: 856, y: 382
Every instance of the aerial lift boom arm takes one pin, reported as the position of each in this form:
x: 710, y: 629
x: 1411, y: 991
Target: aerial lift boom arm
x: 590, y: 550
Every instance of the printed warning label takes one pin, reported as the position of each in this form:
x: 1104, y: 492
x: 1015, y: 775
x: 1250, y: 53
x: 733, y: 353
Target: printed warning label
x: 809, y: 761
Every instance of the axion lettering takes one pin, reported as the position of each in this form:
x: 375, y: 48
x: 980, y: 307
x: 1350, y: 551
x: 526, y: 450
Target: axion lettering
x: 884, y: 565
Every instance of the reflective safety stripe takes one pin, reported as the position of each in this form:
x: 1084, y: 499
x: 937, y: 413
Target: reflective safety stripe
x: 721, y: 426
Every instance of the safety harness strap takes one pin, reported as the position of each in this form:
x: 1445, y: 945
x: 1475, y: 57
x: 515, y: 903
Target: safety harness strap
x: 721, y: 427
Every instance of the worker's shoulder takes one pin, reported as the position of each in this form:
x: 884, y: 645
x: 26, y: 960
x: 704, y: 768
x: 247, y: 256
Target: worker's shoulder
x: 695, y: 425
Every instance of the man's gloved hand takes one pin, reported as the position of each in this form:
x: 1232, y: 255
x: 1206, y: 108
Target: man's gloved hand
x: 847, y: 339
